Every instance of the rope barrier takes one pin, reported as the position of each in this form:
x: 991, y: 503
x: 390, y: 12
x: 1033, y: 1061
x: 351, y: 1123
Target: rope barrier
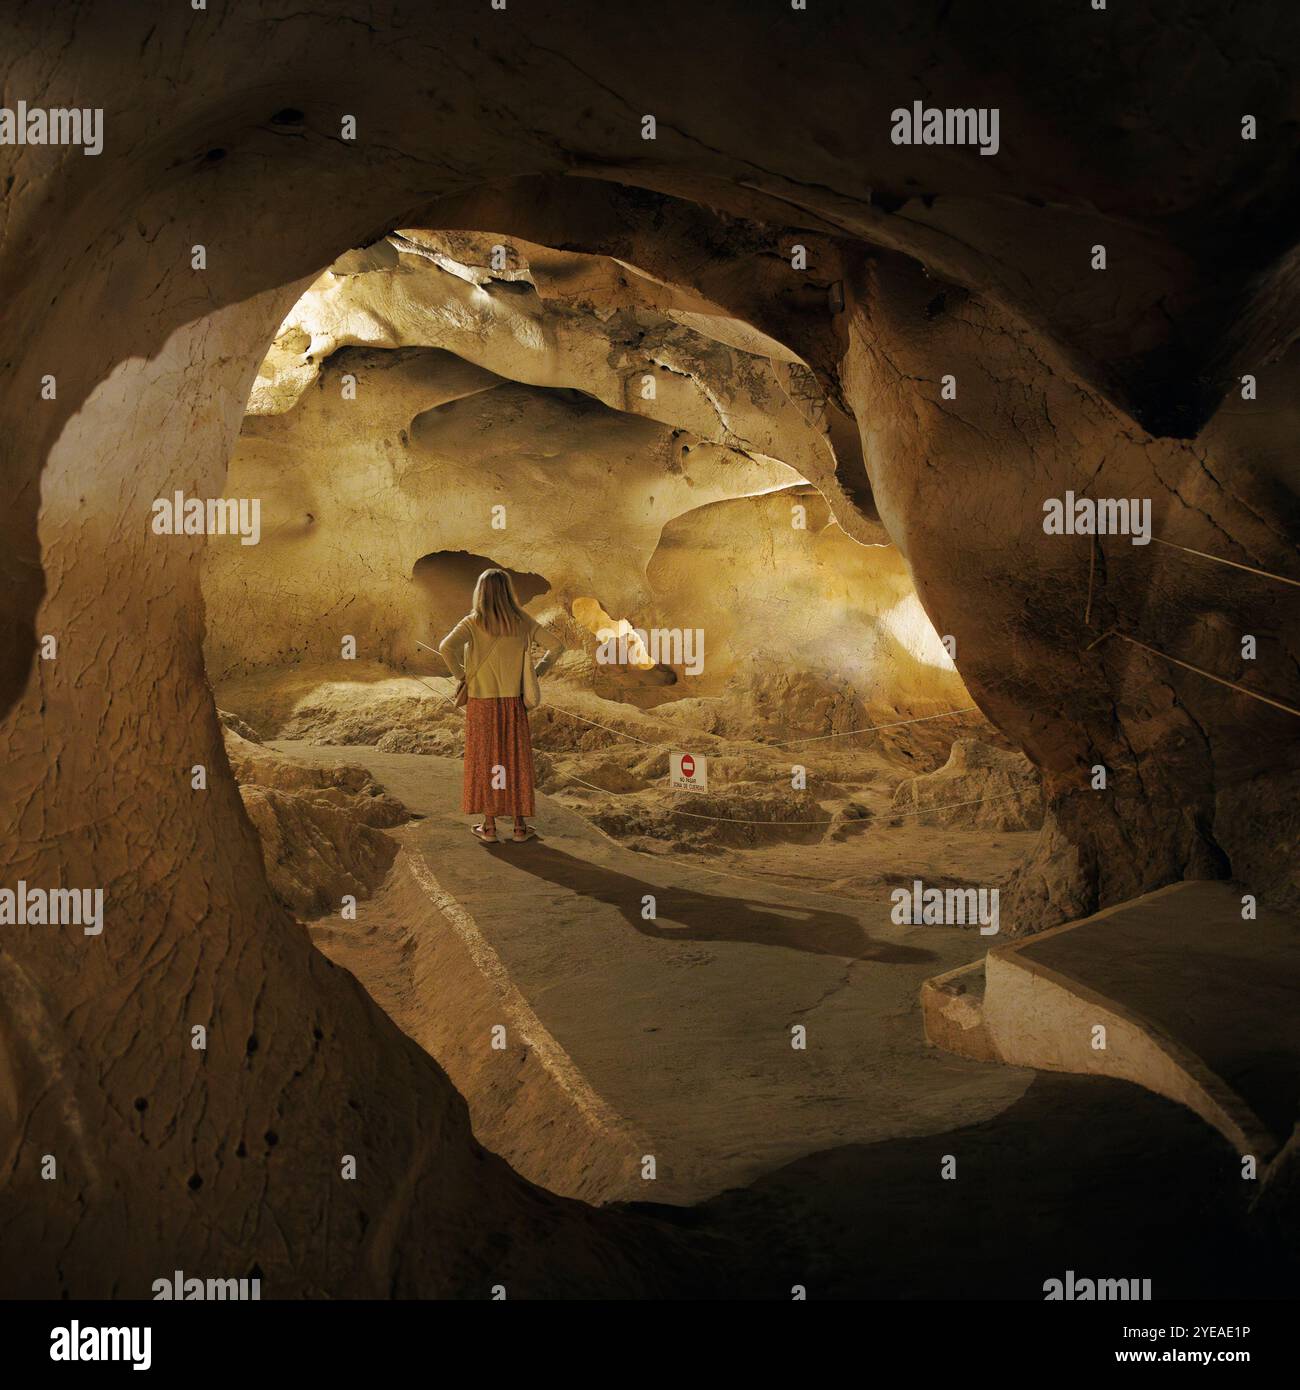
x: 1219, y: 560
x: 874, y: 728
x: 893, y: 815
x: 1187, y: 666
x: 696, y: 815
x: 555, y: 709
x: 816, y: 738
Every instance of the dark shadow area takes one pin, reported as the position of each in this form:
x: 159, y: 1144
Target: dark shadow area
x: 1082, y: 1173
x: 1224, y: 990
x: 705, y: 917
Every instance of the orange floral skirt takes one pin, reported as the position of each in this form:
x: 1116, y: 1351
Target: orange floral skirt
x: 498, y: 758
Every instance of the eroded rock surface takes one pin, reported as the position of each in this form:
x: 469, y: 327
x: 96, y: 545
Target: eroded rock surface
x: 320, y: 828
x: 979, y: 786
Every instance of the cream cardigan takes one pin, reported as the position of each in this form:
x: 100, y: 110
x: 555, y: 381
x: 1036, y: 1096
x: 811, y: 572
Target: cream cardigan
x: 495, y: 664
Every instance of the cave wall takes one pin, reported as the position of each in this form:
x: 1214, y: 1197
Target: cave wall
x: 234, y: 1151
x: 561, y: 320
x: 799, y: 619
x: 354, y: 492
x: 960, y: 484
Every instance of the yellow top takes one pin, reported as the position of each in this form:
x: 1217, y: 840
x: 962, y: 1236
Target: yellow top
x: 495, y: 664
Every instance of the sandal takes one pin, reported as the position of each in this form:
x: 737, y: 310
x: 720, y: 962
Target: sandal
x: 480, y: 834
x: 527, y: 833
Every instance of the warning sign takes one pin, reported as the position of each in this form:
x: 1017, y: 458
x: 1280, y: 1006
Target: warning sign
x: 688, y: 772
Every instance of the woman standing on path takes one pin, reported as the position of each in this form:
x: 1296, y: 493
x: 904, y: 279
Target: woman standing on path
x: 488, y: 649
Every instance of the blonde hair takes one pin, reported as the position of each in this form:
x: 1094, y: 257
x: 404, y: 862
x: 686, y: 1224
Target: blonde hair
x: 496, y: 605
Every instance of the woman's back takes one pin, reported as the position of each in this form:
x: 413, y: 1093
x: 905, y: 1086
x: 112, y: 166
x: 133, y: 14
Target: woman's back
x: 489, y: 645
x: 494, y: 664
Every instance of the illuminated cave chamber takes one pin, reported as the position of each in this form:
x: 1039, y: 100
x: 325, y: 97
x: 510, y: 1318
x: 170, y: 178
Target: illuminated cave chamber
x: 670, y: 486
x: 671, y: 491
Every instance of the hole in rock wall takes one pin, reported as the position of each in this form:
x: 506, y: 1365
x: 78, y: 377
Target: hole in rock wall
x: 447, y: 580
x: 625, y: 668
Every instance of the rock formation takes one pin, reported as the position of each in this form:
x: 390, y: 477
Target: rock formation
x: 977, y: 786
x: 319, y: 828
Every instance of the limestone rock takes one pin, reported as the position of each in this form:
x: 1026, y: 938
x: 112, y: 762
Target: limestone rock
x: 236, y: 725
x: 980, y: 787
x: 320, y: 828
x: 443, y: 743
x: 316, y: 848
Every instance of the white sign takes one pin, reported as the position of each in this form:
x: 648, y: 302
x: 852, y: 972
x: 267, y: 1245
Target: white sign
x: 688, y: 772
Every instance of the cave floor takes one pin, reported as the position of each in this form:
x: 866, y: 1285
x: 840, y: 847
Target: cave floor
x: 866, y: 1166
x: 682, y: 1025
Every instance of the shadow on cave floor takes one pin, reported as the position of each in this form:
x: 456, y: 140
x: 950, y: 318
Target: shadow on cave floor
x: 682, y: 914
x: 1082, y: 1173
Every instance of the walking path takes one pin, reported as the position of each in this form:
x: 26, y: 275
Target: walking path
x: 868, y: 1165
x: 671, y: 1023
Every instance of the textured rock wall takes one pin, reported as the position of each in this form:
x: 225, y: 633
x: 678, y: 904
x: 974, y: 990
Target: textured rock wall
x: 354, y: 493
x: 797, y: 617
x: 1031, y: 611
x: 320, y: 828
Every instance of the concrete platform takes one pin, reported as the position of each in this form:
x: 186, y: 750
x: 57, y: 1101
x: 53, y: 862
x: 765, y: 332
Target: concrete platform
x: 1173, y: 991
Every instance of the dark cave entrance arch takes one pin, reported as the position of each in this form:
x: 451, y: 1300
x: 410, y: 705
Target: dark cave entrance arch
x: 446, y: 580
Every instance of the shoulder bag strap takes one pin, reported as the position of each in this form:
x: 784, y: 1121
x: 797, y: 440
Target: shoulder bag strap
x: 481, y: 660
